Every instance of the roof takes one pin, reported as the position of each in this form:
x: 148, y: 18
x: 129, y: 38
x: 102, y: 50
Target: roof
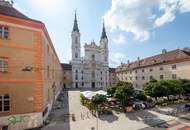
x: 66, y: 66
x: 166, y: 57
x: 75, y: 27
x: 103, y: 32
x: 112, y: 69
x: 11, y: 11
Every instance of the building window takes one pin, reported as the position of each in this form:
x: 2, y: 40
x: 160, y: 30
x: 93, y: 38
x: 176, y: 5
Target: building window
x: 161, y: 77
x: 130, y: 72
x: 161, y: 68
x: 131, y: 78
x: 82, y: 71
x: 174, y: 76
x: 82, y: 84
x: 126, y: 78
x: 151, y: 70
x: 143, y: 78
x: 173, y: 67
x: 3, y: 65
x: 136, y: 71
x: 76, y: 77
x: 93, y: 57
x: 76, y: 71
x: 101, y: 78
x: 136, y: 78
x: 4, y: 32
x: 4, y: 103
x: 142, y: 70
x: 76, y: 55
x: 151, y: 77
x: 64, y: 78
x: 101, y: 72
x: 82, y: 78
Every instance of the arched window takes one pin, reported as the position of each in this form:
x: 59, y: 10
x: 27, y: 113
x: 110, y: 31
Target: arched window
x: 76, y: 55
x: 93, y: 57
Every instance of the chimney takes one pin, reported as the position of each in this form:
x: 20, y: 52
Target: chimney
x: 128, y: 62
x: 164, y: 51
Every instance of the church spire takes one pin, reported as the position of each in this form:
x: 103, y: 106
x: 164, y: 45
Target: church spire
x: 75, y: 27
x: 103, y: 32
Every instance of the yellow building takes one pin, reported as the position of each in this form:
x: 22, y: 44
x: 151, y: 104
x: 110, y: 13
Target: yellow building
x: 168, y: 65
x: 30, y: 71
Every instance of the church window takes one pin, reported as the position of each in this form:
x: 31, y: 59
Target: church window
x: 76, y: 77
x: 76, y: 40
x: 76, y: 55
x: 93, y: 57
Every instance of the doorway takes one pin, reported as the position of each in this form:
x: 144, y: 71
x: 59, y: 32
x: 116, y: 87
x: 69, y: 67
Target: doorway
x: 93, y: 84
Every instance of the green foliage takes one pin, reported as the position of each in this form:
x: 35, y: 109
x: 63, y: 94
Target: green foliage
x: 86, y: 102
x: 163, y: 88
x: 185, y: 84
x: 98, y: 99
x: 122, y: 91
x: 148, y: 88
x: 111, y: 90
x: 141, y: 96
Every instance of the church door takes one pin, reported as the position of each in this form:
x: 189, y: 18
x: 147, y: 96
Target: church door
x: 93, y: 84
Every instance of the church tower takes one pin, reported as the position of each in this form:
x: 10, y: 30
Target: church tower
x: 75, y: 35
x: 104, y: 45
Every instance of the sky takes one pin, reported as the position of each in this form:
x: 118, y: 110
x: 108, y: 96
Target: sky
x: 135, y: 28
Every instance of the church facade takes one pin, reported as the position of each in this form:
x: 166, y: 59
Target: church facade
x: 91, y: 70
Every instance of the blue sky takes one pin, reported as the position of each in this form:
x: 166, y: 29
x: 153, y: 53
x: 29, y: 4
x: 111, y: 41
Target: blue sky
x: 134, y: 27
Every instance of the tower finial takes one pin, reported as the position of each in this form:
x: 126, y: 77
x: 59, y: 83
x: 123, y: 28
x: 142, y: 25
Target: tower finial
x: 75, y: 27
x: 103, y: 32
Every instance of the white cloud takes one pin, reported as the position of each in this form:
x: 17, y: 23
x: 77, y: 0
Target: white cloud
x: 140, y: 17
x: 121, y: 39
x: 116, y: 59
x: 184, y: 6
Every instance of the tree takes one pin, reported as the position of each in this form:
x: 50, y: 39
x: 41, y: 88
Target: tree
x: 123, y: 92
x: 111, y: 90
x: 98, y: 99
x: 148, y: 88
x: 159, y: 90
x: 185, y: 84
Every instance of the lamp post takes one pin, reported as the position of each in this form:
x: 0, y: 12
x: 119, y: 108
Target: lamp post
x: 97, y: 117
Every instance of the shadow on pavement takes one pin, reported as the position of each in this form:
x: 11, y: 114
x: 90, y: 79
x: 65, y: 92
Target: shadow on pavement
x: 145, y: 117
x: 108, y: 118
x: 60, y: 116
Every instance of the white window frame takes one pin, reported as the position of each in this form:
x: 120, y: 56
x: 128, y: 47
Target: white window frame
x: 3, y: 101
x: 2, y: 28
x: 3, y: 66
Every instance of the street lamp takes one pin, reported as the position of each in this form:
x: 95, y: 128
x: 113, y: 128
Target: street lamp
x: 97, y: 117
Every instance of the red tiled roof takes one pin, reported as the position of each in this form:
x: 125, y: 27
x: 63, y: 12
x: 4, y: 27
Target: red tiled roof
x: 171, y: 56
